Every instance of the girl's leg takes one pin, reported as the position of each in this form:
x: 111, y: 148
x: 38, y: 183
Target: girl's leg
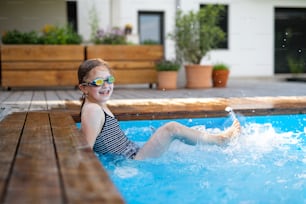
x: 162, y: 138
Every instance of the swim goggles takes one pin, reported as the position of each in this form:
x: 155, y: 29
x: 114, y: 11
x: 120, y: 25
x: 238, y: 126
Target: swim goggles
x: 100, y: 81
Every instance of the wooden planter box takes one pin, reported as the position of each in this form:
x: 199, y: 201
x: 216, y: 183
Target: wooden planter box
x: 131, y: 64
x: 40, y: 65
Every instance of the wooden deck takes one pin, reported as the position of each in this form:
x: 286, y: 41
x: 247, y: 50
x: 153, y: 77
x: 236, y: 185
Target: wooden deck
x: 44, y: 159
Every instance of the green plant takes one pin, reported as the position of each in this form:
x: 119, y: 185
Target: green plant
x: 167, y: 65
x: 220, y: 66
x: 60, y: 35
x: 115, y: 36
x: 149, y: 42
x: 49, y: 35
x: 17, y: 37
x: 296, y: 65
x: 196, y: 33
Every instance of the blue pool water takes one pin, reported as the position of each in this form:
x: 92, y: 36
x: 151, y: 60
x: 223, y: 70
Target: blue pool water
x: 266, y: 164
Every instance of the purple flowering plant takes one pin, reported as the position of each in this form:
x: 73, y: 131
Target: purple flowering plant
x: 114, y: 36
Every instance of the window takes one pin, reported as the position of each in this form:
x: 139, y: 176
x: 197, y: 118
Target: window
x: 151, y: 27
x: 289, y: 36
x: 223, y: 23
x: 72, y: 14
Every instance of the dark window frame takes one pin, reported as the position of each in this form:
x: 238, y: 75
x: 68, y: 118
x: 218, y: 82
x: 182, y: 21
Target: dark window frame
x: 72, y: 16
x: 161, y: 23
x: 291, y: 43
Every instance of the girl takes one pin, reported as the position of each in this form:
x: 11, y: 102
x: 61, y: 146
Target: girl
x: 102, y: 130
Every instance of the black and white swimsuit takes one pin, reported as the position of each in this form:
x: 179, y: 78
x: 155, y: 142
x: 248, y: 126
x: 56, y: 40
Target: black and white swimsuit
x: 112, y: 140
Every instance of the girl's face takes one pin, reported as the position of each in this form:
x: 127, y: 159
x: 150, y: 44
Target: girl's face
x: 98, y: 94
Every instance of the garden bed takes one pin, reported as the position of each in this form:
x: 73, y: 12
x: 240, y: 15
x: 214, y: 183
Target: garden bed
x: 40, y: 65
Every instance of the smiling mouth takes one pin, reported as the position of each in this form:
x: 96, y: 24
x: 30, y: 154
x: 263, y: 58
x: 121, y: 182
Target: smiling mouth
x: 104, y: 91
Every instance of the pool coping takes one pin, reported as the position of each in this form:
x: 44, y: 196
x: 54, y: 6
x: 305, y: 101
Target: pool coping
x: 149, y: 109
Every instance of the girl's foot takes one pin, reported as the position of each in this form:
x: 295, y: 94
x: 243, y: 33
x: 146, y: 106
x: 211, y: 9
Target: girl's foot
x: 231, y: 132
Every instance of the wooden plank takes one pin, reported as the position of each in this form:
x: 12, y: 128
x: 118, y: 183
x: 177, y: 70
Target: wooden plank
x: 55, y: 65
x: 135, y: 77
x: 39, y: 78
x: 135, y: 65
x: 41, y: 52
x: 35, y: 175
x: 125, y: 52
x: 4, y: 95
x: 19, y: 100
x: 39, y: 101
x: 53, y: 100
x: 10, y: 131
x: 77, y: 160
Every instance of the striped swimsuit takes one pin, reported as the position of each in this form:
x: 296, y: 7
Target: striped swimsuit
x: 112, y: 140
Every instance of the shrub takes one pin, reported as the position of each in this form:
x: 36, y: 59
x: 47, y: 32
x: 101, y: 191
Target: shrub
x: 49, y: 35
x: 196, y: 33
x: 220, y: 66
x: 115, y: 36
x: 167, y: 65
x: 17, y: 37
x: 150, y: 42
x: 60, y: 35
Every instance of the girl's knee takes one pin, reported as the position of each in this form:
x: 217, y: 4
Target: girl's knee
x: 172, y: 127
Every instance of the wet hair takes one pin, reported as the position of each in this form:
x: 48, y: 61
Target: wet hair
x: 88, y: 65
x: 85, y: 68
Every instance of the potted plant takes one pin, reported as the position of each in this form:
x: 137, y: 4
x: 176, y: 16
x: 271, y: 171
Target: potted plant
x: 195, y: 34
x: 220, y: 75
x: 167, y: 74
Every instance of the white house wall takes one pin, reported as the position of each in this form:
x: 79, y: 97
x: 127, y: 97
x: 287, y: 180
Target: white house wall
x: 85, y: 10
x: 250, y: 28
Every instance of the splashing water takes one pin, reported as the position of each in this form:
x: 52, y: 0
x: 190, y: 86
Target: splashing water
x: 266, y: 164
x: 231, y: 112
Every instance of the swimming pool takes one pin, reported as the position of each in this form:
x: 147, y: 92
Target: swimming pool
x: 266, y: 164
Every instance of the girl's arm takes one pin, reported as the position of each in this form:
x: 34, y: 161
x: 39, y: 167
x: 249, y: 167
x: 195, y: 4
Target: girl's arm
x: 92, y: 121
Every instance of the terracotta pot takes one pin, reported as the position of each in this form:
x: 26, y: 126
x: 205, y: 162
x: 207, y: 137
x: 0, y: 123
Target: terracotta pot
x: 198, y: 76
x: 220, y: 78
x: 166, y: 80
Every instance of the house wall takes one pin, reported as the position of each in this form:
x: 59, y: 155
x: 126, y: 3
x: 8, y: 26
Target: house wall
x: 250, y: 34
x: 86, y: 9
x: 27, y: 15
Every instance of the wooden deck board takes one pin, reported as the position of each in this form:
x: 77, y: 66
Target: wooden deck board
x: 45, y: 159
x: 53, y: 100
x: 35, y: 177
x: 10, y: 131
x: 81, y: 171
x: 4, y: 96
x: 38, y: 101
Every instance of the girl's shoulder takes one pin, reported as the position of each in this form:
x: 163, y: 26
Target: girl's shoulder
x: 92, y: 108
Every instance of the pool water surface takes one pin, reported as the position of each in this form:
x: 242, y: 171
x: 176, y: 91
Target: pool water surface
x: 265, y: 164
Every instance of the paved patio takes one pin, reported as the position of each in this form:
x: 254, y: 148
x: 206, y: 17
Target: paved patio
x: 241, y: 93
